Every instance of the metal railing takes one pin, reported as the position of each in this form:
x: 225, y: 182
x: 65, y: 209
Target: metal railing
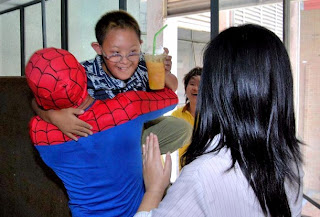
x: 314, y: 203
x: 64, y: 25
x: 22, y: 27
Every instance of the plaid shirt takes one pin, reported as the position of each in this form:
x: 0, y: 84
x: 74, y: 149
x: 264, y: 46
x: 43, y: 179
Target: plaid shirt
x: 102, y: 86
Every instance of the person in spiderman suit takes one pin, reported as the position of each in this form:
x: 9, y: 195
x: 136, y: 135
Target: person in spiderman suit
x: 102, y: 173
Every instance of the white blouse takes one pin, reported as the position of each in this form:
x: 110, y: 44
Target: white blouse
x: 206, y: 188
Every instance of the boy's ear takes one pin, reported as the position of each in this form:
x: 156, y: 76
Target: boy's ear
x: 96, y: 47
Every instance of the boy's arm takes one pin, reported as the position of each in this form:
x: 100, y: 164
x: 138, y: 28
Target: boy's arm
x: 66, y: 120
x: 171, y: 80
x: 41, y: 113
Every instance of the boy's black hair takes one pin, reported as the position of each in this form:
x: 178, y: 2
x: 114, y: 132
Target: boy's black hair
x: 115, y: 19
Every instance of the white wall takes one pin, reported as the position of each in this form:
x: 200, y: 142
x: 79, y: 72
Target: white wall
x: 138, y: 9
x: 10, y: 44
x: 10, y: 35
x: 33, y: 30
x: 155, y: 21
x: 83, y: 16
x: 53, y: 10
x: 33, y: 27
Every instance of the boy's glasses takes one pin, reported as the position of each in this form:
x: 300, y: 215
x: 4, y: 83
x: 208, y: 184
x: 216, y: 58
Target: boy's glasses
x: 133, y: 56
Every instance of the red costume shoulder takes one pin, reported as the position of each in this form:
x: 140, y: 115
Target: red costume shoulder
x: 103, y: 115
x: 59, y: 81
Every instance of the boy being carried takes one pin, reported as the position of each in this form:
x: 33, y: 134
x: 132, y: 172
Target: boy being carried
x: 120, y: 67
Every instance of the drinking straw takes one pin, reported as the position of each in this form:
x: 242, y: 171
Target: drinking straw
x: 155, y: 36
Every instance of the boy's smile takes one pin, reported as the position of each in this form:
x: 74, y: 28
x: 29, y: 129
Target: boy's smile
x: 124, y: 42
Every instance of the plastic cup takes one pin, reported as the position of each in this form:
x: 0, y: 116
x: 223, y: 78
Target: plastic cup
x: 156, y: 70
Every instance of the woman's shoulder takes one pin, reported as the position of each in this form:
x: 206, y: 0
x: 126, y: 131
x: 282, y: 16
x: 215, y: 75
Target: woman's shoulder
x: 213, y: 163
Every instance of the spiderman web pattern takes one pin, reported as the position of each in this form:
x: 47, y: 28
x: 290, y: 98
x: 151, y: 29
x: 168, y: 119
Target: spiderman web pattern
x: 103, y: 115
x: 56, y: 78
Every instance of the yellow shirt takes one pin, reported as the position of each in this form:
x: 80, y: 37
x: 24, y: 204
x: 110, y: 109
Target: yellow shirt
x: 183, y: 113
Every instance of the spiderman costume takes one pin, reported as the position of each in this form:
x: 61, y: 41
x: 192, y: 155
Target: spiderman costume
x: 103, y: 172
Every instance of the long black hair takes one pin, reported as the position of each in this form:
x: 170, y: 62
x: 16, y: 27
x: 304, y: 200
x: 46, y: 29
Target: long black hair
x: 246, y: 96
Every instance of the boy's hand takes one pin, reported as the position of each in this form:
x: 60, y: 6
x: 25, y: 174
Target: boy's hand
x: 65, y: 119
x: 156, y: 177
x: 171, y: 80
x: 68, y: 122
x: 167, y: 61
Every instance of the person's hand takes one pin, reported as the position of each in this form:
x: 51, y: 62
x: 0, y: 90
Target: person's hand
x: 68, y: 122
x: 167, y: 61
x: 156, y: 176
x: 171, y: 80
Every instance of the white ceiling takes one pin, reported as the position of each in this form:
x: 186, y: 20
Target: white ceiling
x: 195, y: 21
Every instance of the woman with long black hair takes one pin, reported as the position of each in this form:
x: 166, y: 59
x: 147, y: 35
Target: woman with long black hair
x: 244, y: 158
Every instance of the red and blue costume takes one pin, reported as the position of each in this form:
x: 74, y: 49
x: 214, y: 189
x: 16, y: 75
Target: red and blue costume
x: 103, y: 172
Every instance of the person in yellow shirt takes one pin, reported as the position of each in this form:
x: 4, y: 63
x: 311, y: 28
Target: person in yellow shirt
x: 187, y: 112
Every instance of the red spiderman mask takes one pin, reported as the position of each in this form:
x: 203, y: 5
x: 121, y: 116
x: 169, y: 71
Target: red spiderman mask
x: 56, y: 78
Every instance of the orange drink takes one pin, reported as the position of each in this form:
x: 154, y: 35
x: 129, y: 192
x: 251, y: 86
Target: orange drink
x: 156, y: 70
